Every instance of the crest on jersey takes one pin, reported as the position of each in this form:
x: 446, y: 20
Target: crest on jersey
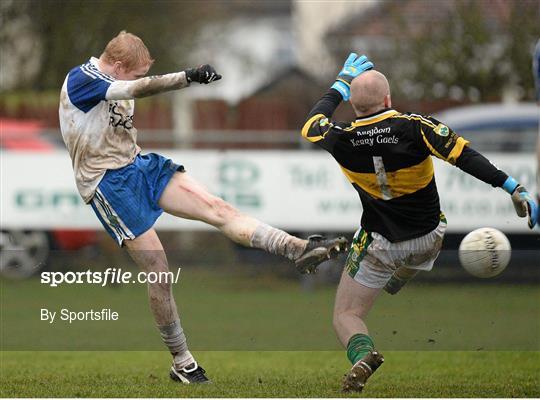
x: 323, y: 122
x: 442, y: 130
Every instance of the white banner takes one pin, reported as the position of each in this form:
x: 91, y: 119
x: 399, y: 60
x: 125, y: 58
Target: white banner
x: 293, y: 190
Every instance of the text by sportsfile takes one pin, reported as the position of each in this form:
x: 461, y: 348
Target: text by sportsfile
x: 113, y: 276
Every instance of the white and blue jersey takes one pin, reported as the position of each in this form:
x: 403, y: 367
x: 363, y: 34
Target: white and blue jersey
x: 97, y: 131
x: 96, y: 120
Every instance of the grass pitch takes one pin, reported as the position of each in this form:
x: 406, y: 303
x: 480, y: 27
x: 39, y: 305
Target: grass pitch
x: 221, y: 311
x: 468, y: 340
x: 269, y: 374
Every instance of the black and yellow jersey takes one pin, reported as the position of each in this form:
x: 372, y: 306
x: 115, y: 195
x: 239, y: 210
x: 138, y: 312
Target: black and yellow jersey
x: 387, y: 158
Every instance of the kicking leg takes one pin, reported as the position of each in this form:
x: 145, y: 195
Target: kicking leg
x: 184, y: 197
x: 353, y: 302
x: 147, y: 252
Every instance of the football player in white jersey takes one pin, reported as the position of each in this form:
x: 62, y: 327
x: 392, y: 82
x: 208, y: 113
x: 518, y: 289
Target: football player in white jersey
x: 129, y: 190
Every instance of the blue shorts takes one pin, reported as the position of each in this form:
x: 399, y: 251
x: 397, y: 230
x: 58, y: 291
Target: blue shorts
x: 126, y: 199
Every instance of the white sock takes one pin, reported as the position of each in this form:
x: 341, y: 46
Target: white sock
x: 182, y: 360
x: 278, y: 242
x: 173, y: 336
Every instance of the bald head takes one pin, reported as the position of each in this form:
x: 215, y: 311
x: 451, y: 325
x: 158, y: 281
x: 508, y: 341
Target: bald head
x: 370, y: 92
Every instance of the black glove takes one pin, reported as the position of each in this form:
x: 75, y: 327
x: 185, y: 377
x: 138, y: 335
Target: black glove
x: 202, y: 74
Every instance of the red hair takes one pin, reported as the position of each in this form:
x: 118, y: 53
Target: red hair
x: 129, y: 49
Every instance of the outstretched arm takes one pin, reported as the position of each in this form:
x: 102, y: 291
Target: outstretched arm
x: 445, y: 144
x: 144, y: 87
x: 86, y: 88
x: 475, y: 164
x: 148, y: 86
x: 478, y: 166
x: 455, y: 150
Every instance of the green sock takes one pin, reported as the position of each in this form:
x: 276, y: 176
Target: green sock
x: 359, y: 345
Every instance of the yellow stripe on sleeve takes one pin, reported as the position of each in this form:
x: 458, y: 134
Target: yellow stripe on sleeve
x: 430, y: 147
x: 307, y: 127
x: 457, y: 150
x: 416, y: 118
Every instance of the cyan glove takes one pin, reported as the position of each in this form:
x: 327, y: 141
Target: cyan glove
x: 353, y: 67
x: 524, y: 203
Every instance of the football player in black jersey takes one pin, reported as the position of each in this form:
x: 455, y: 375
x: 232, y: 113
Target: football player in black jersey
x: 386, y: 156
